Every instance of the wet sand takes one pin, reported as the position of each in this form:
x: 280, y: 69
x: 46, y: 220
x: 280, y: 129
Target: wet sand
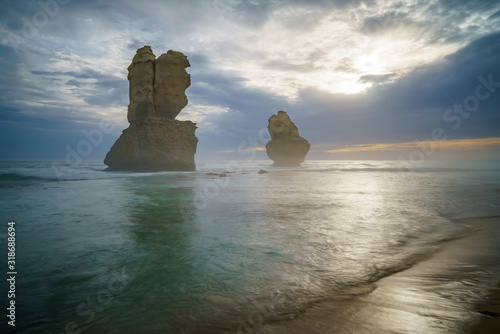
x: 490, y: 309
x: 454, y: 290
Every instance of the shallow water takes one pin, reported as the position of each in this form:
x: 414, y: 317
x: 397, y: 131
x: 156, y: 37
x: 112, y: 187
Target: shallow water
x: 119, y: 252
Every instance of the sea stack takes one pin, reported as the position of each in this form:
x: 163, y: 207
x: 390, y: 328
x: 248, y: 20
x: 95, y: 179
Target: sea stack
x: 286, y: 147
x: 155, y: 140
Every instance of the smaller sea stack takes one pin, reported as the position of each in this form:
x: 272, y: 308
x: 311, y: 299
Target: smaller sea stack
x: 286, y: 147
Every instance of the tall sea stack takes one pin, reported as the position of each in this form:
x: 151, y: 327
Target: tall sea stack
x: 155, y: 140
x: 286, y: 147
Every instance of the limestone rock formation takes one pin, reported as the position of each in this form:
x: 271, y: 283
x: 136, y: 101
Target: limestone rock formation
x: 155, y: 140
x: 157, y: 86
x: 286, y: 147
x: 171, y: 80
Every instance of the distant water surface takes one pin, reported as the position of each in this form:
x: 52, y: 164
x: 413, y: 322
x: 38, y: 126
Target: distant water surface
x: 193, y: 252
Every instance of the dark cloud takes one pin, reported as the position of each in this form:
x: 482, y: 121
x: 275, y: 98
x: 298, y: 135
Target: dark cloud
x: 135, y: 44
x: 495, y: 16
x: 376, y: 78
x: 380, y: 23
x: 85, y: 73
x: 73, y: 82
x: 247, y: 105
x: 471, y: 6
x: 106, y: 91
x: 327, y: 4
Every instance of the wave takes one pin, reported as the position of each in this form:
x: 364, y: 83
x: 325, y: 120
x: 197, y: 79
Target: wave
x: 11, y: 180
x: 14, y: 179
x: 19, y: 177
x: 29, y: 173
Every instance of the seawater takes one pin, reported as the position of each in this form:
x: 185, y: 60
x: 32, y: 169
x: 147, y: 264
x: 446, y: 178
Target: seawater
x: 196, y: 252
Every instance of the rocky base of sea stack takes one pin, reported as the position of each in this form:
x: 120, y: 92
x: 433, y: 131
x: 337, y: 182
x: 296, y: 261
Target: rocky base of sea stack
x: 154, y: 145
x: 287, y: 153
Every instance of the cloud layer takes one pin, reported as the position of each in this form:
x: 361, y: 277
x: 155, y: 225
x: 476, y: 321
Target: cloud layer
x: 348, y: 72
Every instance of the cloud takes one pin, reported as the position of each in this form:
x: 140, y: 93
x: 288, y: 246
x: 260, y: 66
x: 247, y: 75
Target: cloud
x: 494, y: 16
x: 376, y: 78
x: 387, y: 21
x: 92, y: 87
x: 457, y: 144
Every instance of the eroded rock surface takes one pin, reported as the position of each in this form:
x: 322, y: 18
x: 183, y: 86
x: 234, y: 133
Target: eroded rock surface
x: 171, y: 81
x: 286, y: 147
x: 154, y: 140
x: 141, y: 80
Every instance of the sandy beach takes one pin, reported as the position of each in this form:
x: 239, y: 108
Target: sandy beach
x: 441, y: 294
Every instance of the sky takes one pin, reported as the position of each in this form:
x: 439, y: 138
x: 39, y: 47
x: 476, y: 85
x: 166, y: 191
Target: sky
x: 412, y: 80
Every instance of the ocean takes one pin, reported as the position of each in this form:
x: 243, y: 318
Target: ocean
x: 227, y: 249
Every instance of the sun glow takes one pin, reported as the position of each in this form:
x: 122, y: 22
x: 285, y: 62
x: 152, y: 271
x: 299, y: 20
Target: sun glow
x: 336, y: 54
x: 457, y: 144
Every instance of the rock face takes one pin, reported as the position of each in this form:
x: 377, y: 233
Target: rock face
x: 154, y: 140
x: 286, y: 147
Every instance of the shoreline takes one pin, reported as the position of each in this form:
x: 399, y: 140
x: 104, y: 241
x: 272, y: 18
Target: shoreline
x: 490, y: 309
x: 444, y: 293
